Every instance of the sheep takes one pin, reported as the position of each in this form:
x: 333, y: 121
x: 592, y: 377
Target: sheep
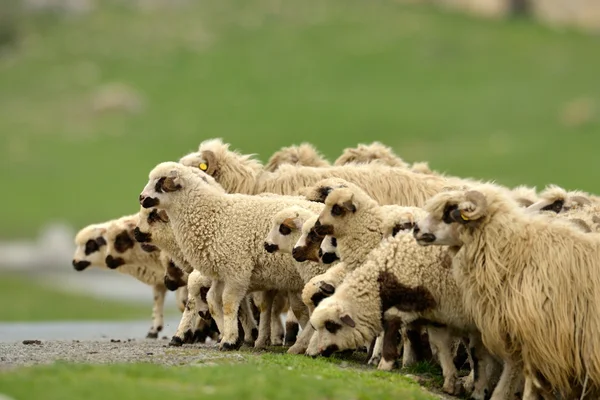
x: 524, y: 280
x: 557, y: 199
x: 110, y: 245
x: 242, y: 174
x: 374, y: 152
x: 153, y: 229
x: 525, y: 195
x: 219, y: 235
x: 358, y: 222
x: 305, y: 154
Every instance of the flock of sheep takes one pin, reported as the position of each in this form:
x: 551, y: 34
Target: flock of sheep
x: 370, y: 253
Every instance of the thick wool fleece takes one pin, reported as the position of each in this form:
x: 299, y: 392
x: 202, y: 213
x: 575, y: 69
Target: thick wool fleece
x: 526, y: 280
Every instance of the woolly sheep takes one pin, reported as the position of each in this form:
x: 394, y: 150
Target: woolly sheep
x: 110, y: 245
x: 368, y: 153
x: 196, y: 323
x: 358, y: 221
x: 242, y: 174
x: 557, y: 199
x: 524, y: 280
x: 218, y: 234
x: 305, y: 154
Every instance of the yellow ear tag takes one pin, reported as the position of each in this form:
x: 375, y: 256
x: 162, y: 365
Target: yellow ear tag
x: 463, y: 217
x: 203, y: 166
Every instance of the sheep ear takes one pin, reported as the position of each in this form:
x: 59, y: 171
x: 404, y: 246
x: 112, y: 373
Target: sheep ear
x: 323, y: 192
x: 348, y: 320
x: 172, y: 182
x: 210, y: 164
x: 291, y: 223
x: 349, y: 206
x: 162, y: 214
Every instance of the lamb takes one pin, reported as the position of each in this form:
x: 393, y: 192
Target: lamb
x: 222, y: 236
x: 353, y: 217
x: 110, y: 245
x: 304, y: 154
x: 241, y: 174
x: 524, y: 280
x: 197, y: 323
x: 374, y: 152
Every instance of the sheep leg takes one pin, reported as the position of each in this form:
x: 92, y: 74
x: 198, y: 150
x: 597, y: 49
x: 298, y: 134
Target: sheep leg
x: 247, y: 322
x: 391, y: 340
x: 264, y: 325
x: 510, y: 380
x: 214, y: 298
x: 301, y: 312
x: 232, y: 297
x: 413, y: 351
x: 442, y: 339
x: 159, y: 292
x: 291, y: 328
x: 184, y: 329
x: 276, y: 326
x: 377, y: 349
x: 482, y: 368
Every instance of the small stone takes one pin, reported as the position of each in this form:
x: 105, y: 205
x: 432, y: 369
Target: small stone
x: 32, y: 342
x: 149, y: 354
x: 115, y: 341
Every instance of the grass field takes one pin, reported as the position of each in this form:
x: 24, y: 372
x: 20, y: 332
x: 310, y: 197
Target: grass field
x: 506, y: 100
x: 29, y: 301
x: 270, y: 376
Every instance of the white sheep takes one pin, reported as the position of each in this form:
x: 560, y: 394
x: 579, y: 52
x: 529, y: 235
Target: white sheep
x: 407, y: 293
x: 111, y: 245
x: 222, y: 235
x: 242, y: 174
x: 305, y: 154
x: 531, y: 285
x: 197, y: 323
x: 368, y: 153
x: 557, y: 199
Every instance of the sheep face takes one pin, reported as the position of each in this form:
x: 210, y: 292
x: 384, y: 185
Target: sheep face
x: 120, y: 242
x: 335, y: 328
x: 152, y: 224
x: 328, y: 251
x: 338, y: 205
x: 285, y: 230
x: 557, y: 199
x: 90, y: 247
x: 451, y: 214
x: 308, y: 245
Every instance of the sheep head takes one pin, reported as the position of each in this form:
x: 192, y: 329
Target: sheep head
x: 307, y: 246
x: 286, y: 228
x: 328, y: 251
x: 321, y: 190
x: 120, y: 241
x: 336, y: 327
x: 90, y: 246
x: 152, y: 223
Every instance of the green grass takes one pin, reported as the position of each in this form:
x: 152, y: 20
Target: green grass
x: 29, y: 300
x: 473, y: 97
x: 271, y: 376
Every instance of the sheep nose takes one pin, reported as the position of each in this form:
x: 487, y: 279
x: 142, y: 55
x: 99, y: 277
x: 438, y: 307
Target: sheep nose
x: 298, y: 254
x: 427, y: 238
x: 140, y: 236
x: 271, y: 248
x: 329, y: 258
x: 80, y: 265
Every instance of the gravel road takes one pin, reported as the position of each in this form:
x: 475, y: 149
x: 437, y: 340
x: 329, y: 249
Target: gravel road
x: 105, y: 351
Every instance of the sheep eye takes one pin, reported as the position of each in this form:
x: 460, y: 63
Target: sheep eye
x: 90, y: 247
x: 336, y: 210
x: 284, y: 230
x: 446, y: 217
x: 332, y: 327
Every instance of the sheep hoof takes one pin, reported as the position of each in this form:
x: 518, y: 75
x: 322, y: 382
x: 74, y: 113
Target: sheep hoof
x: 277, y: 341
x: 478, y: 395
x: 228, y: 346
x: 375, y: 360
x: 152, y: 335
x: 291, y: 332
x: 297, y: 349
x: 385, y: 365
x: 260, y: 345
x: 452, y: 386
x: 176, y: 341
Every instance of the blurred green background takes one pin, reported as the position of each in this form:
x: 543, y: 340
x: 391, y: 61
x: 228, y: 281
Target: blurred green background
x: 90, y: 103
